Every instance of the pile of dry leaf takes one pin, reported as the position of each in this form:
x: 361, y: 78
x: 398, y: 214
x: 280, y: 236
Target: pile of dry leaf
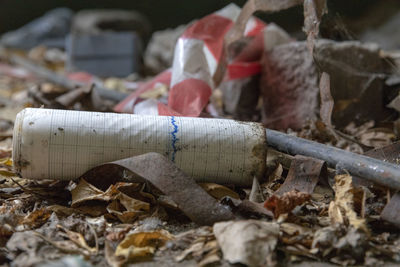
x: 300, y: 212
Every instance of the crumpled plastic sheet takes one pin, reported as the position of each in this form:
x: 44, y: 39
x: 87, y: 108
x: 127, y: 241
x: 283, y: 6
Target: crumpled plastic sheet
x: 197, y: 55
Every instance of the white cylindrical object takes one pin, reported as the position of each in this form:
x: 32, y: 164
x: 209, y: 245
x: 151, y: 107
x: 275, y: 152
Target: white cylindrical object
x: 64, y: 144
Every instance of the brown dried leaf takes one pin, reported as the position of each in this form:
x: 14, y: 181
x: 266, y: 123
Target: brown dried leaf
x: 256, y: 194
x: 124, y: 207
x: 327, y: 102
x: 61, y: 210
x: 194, y: 247
x: 218, y: 191
x: 36, y: 218
x: 109, y: 254
x: 5, y: 153
x: 80, y: 241
x: 342, y: 209
x: 303, y: 176
x: 118, y: 234
x: 85, y: 192
x: 6, y: 167
x: 294, y: 229
x: 66, y: 246
x: 313, y: 12
x: 212, y: 258
x: 126, y: 216
x: 141, y: 245
x: 377, y: 137
x: 286, y: 203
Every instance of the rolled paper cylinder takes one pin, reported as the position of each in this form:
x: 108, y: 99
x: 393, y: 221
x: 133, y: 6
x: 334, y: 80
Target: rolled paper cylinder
x: 64, y: 144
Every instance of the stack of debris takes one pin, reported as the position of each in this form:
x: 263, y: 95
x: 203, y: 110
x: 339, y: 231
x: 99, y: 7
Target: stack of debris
x: 183, y: 181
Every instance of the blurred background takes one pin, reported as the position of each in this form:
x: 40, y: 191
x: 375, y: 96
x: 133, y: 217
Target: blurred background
x: 356, y: 14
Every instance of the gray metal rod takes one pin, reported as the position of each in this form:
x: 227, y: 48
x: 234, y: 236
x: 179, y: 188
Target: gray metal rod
x: 377, y: 171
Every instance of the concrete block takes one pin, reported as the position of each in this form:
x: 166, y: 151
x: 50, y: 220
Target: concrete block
x: 104, y: 54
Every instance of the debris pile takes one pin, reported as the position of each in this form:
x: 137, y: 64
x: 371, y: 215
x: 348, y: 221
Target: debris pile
x: 270, y: 151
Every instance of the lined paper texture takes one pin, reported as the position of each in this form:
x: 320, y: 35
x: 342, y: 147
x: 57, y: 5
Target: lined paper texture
x: 64, y: 144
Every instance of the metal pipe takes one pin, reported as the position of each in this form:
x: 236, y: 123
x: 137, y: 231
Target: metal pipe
x: 374, y: 170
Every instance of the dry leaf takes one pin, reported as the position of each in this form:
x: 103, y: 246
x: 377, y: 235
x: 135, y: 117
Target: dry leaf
x: 303, y: 176
x: 334, y: 214
x: 61, y: 210
x: 126, y: 216
x: 5, y: 153
x: 250, y: 242
x: 195, y: 246
x: 127, y: 209
x: 341, y: 210
x: 212, y: 258
x: 286, y: 203
x: 327, y: 102
x: 218, y: 191
x: 256, y: 194
x: 6, y: 167
x: 66, y: 246
x: 377, y: 137
x: 124, y: 207
x: 131, y: 204
x: 313, y: 12
x: 294, y: 229
x: 140, y: 245
x: 204, y: 248
x: 85, y: 192
x: 80, y: 241
x: 36, y: 218
x: 111, y: 259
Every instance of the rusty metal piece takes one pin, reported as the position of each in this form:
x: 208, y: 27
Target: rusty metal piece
x: 303, y: 176
x: 168, y: 178
x: 391, y: 212
x: 374, y: 170
x: 390, y: 153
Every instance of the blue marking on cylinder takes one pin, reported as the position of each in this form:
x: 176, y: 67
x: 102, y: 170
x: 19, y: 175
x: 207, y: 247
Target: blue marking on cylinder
x: 174, y: 138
